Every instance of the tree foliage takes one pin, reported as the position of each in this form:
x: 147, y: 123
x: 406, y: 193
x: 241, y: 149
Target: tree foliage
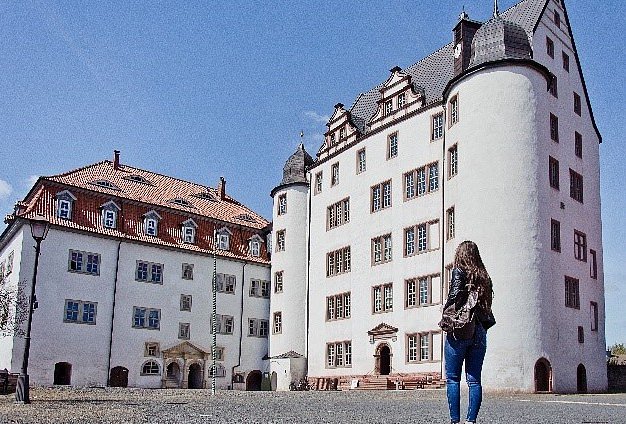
x: 618, y: 349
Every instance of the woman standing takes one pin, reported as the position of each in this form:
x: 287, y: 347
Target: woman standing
x: 468, y: 273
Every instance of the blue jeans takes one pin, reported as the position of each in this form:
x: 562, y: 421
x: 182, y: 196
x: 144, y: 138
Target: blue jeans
x: 471, y: 351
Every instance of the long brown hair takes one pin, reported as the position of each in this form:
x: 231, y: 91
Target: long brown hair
x: 467, y: 258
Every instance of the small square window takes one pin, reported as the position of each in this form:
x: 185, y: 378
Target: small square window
x: 187, y: 271
x: 185, y: 302
x: 183, y: 330
x: 152, y: 349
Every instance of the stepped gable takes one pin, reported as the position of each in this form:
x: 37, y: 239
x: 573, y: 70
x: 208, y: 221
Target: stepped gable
x: 435, y: 71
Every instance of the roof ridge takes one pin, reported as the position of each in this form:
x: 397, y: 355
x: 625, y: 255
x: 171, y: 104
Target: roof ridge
x: 81, y: 168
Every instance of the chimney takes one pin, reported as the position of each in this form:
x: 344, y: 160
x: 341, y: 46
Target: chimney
x: 221, y: 188
x: 116, y: 159
x: 463, y: 35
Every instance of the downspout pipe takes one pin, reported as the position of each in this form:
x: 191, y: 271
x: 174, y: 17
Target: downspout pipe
x: 243, y: 279
x: 308, y: 274
x: 117, y: 267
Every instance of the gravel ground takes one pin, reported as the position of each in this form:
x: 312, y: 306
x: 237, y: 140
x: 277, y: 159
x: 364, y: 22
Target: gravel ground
x: 73, y: 405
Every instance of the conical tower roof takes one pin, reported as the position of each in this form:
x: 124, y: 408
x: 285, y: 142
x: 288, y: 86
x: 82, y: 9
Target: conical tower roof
x: 499, y: 39
x: 294, y: 170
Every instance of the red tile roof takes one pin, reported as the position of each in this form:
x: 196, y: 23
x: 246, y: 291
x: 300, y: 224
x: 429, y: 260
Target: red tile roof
x: 137, y: 198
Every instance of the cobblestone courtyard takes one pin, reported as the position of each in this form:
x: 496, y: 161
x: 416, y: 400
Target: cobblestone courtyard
x: 67, y: 405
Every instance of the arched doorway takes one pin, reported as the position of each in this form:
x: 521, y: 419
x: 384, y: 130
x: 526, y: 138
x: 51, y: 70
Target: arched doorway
x: 195, y: 377
x: 119, y: 377
x: 383, y: 359
x: 63, y: 373
x: 253, y: 381
x: 543, y: 375
x: 581, y: 379
x: 173, y: 375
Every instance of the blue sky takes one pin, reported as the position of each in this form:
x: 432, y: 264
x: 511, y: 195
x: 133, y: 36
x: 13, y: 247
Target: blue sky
x: 198, y: 90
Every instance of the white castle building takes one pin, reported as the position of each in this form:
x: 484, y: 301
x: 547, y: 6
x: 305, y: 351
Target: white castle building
x: 490, y: 138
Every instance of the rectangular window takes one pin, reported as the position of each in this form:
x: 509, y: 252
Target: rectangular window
x: 450, y: 227
x: 401, y: 100
x: 453, y: 108
x: 108, y: 218
x: 339, y: 354
x: 593, y: 266
x: 425, y: 347
x: 581, y: 334
x: 411, y: 351
x: 433, y: 177
x: 318, y: 183
x: 278, y: 282
x: 260, y: 288
x: 333, y: 141
x: 360, y: 161
x: 338, y: 262
x: 580, y: 246
x: 187, y: 271
x: 555, y: 235
x: 553, y: 172
x: 437, y: 126
x: 557, y: 19
x: 453, y: 161
x: 185, y: 302
x: 594, y: 315
x: 80, y: 312
x: 554, y: 128
x: 410, y: 290
x: 189, y: 234
x: 280, y: 241
x: 183, y: 330
x: 282, y: 204
x: 565, y: 62
x: 419, y: 291
x: 146, y: 318
x: 225, y: 283
x: 577, y: 105
x: 381, y: 249
x: 576, y: 186
x: 224, y: 324
x: 578, y: 144
x: 334, y: 174
x: 342, y: 133
x: 381, y: 196
x: 338, y: 306
x: 151, y: 349
x: 572, y: 297
x: 388, y: 107
x: 392, y: 146
x: 149, y: 272
x: 219, y: 353
x: 338, y: 214
x: 425, y: 233
x: 278, y: 322
x: 409, y: 241
x: 83, y: 262
x: 382, y: 298
x: 550, y: 47
x: 553, y: 87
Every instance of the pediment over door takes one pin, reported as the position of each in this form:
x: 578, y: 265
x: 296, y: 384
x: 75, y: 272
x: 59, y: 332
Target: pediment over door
x: 383, y: 332
x: 185, y: 350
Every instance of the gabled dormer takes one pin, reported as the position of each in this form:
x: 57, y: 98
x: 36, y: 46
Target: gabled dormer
x: 223, y: 238
x: 189, y: 228
x: 110, y: 211
x: 398, y: 97
x: 254, y: 245
x: 64, y: 204
x: 341, y: 131
x: 151, y: 223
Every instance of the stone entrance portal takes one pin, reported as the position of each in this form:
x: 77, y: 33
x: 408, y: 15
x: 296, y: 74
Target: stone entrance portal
x: 543, y: 375
x: 186, y: 366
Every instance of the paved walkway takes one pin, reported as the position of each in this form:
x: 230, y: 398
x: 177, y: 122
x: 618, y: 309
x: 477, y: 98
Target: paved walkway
x: 67, y: 405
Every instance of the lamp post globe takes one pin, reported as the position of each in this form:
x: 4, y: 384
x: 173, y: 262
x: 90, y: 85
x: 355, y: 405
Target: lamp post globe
x: 39, y: 227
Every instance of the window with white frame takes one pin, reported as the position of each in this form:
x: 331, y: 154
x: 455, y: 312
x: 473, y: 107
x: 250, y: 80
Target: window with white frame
x: 425, y: 347
x: 450, y: 228
x: 152, y: 349
x: 148, y: 318
x: 381, y: 196
x: 80, y: 311
x: 260, y: 288
x: 278, y: 322
x: 437, y: 126
x: 189, y: 234
x: 419, y: 347
x: 258, y: 327
x: 151, y: 223
x: 421, y: 237
x: 381, y: 249
x: 223, y: 238
x: 421, y: 181
x: 453, y: 107
x: 185, y: 302
x: 278, y: 281
x: 184, y: 330
x: 411, y: 347
x: 453, y: 161
x: 334, y: 174
x: 342, y: 133
x: 318, y: 183
x: 64, y: 203
x: 388, y: 107
x: 225, y: 324
x: 225, y: 283
x: 418, y: 291
x: 280, y: 241
x: 361, y: 164
x: 282, y: 204
x: 401, y: 100
x: 149, y: 272
x: 382, y: 298
x: 338, y: 261
x: 255, y: 248
x: 150, y: 368
x: 392, y: 145
x: 339, y: 354
x: 84, y: 262
x: 187, y: 272
x: 338, y: 214
x: 338, y: 306
x: 333, y: 140
x: 109, y: 218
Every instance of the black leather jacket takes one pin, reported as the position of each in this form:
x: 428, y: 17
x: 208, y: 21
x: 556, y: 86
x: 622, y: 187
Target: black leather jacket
x: 457, y: 294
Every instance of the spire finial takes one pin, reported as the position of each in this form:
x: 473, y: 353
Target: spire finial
x: 496, y: 12
x: 463, y: 14
x: 301, y: 134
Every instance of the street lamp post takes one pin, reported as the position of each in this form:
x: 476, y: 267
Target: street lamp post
x: 214, y: 316
x: 39, y: 227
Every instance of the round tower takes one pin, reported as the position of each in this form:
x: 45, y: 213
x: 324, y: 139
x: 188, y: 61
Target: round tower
x: 288, y: 305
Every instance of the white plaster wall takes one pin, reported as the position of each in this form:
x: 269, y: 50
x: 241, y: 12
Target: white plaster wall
x: 414, y: 150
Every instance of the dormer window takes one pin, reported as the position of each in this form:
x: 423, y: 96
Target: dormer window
x: 137, y: 178
x: 332, y: 139
x: 109, y: 214
x: 401, y: 100
x: 342, y: 133
x: 254, y: 245
x: 189, y: 231
x: 223, y: 238
x: 65, y: 201
x: 151, y: 223
x: 105, y: 184
x: 181, y: 202
x: 388, y: 107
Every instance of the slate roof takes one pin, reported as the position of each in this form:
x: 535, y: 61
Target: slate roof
x: 435, y: 70
x: 294, y: 170
x: 499, y: 39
